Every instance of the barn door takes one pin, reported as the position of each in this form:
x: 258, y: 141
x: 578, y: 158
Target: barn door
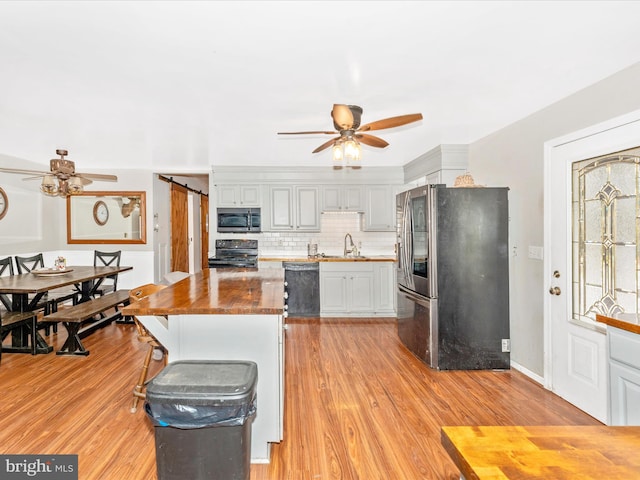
x: 179, y: 229
x: 204, y: 231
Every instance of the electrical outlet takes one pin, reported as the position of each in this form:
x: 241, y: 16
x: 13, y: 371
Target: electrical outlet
x: 506, y: 344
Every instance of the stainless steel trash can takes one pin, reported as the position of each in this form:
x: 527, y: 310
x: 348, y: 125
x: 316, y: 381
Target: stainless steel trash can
x: 202, y: 412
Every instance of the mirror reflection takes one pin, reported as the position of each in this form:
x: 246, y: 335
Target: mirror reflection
x: 106, y: 217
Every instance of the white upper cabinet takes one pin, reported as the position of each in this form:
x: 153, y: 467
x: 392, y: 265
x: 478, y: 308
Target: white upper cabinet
x: 345, y: 198
x: 380, y: 208
x: 294, y: 208
x: 238, y: 195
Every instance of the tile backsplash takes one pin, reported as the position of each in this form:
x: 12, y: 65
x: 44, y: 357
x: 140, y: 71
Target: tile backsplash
x: 330, y: 240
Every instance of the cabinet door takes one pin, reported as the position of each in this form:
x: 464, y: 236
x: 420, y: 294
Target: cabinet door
x: 331, y: 198
x: 384, y: 288
x: 307, y: 209
x: 281, y: 206
x: 380, y: 211
x: 227, y: 195
x: 353, y: 198
x: 250, y: 195
x: 625, y: 394
x: 361, y: 292
x: 333, y: 292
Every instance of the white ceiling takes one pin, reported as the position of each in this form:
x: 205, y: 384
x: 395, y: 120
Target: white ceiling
x: 185, y: 85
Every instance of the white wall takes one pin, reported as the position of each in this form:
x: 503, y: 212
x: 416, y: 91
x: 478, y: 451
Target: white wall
x: 514, y: 157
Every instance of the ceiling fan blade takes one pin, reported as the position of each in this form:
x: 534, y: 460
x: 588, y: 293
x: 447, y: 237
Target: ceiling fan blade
x: 23, y: 172
x: 308, y: 133
x: 391, y: 122
x: 84, y: 180
x: 371, y: 140
x: 326, y: 145
x: 98, y: 176
x: 342, y: 116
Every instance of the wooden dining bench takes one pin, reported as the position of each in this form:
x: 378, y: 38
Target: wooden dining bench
x: 73, y: 317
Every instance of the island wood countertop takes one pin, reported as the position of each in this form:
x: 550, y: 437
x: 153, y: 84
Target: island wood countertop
x: 326, y: 258
x: 544, y: 452
x: 623, y: 321
x: 242, y: 291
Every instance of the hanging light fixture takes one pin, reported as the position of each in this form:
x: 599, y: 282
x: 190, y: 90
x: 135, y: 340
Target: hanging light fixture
x: 49, y: 185
x: 62, y: 180
x: 347, y: 150
x: 60, y: 186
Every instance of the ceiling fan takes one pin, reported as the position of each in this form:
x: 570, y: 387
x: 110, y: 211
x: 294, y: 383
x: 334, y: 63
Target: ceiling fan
x: 346, y: 120
x: 63, y: 179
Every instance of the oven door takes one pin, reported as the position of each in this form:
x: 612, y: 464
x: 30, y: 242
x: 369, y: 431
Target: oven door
x: 231, y: 263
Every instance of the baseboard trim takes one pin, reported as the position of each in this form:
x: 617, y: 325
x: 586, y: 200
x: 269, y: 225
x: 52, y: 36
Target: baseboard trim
x: 533, y: 376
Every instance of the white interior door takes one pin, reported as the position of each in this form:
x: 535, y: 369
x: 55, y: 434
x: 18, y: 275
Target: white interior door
x: 575, y: 349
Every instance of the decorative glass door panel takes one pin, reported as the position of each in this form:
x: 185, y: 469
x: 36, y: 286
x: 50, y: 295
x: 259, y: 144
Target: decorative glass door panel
x: 606, y: 235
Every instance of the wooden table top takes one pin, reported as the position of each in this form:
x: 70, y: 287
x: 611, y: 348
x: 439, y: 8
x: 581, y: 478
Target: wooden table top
x: 320, y: 258
x: 32, y: 283
x: 243, y: 291
x: 623, y: 321
x: 544, y: 452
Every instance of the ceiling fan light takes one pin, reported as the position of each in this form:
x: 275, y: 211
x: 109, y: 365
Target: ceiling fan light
x: 74, y: 186
x: 338, y: 152
x: 352, y: 150
x: 49, y: 185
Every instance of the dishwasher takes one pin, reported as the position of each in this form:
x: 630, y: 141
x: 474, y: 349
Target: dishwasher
x: 302, y: 280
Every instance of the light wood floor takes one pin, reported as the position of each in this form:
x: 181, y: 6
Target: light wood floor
x: 358, y: 406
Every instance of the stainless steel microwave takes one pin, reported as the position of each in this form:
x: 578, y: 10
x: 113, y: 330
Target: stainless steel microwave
x: 239, y: 220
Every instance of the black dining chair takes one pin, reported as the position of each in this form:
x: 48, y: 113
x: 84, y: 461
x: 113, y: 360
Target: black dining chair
x: 26, y: 264
x: 107, y: 259
x: 6, y: 269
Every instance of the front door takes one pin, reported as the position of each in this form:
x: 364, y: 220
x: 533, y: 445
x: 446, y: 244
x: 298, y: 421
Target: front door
x: 575, y: 345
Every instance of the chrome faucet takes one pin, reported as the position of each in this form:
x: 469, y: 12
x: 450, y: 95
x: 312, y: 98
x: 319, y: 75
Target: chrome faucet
x: 351, y: 249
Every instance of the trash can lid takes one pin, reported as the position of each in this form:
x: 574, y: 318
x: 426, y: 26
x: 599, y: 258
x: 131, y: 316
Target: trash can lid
x: 209, y: 380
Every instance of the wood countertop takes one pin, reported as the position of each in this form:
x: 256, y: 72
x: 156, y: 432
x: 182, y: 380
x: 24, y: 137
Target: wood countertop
x: 241, y: 291
x: 623, y: 321
x: 544, y: 452
x: 328, y: 258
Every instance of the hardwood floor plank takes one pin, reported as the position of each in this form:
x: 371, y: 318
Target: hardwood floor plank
x: 358, y: 406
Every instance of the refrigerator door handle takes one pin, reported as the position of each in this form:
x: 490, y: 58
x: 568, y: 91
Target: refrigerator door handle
x: 408, y: 247
x: 413, y: 296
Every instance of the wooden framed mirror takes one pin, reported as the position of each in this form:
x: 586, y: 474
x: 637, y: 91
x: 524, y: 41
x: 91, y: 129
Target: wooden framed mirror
x: 107, y: 217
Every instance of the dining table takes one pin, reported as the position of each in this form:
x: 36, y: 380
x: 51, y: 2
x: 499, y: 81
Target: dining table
x: 27, y: 289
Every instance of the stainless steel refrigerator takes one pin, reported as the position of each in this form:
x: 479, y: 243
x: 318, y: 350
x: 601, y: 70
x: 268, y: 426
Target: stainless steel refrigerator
x: 453, y: 276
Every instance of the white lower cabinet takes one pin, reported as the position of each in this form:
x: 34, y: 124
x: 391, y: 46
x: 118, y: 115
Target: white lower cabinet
x: 356, y: 289
x: 624, y: 376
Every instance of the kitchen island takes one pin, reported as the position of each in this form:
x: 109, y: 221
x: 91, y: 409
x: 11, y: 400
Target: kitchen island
x: 543, y: 452
x: 227, y: 314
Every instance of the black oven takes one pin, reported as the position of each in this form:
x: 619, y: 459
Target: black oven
x: 239, y: 253
x: 239, y: 220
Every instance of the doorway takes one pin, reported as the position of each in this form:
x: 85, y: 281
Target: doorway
x: 180, y: 223
x: 575, y: 345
